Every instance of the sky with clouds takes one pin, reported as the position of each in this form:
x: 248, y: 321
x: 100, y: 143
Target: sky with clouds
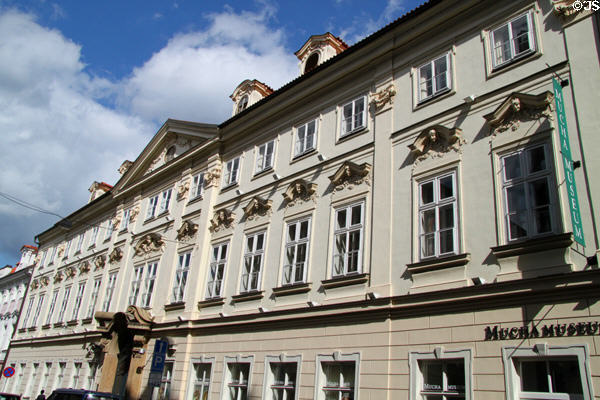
x: 85, y: 85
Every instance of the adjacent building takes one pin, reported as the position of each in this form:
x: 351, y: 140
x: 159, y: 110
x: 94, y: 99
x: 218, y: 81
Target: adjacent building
x: 413, y: 217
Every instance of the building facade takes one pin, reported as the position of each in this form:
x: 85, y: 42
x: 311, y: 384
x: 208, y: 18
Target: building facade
x: 411, y: 218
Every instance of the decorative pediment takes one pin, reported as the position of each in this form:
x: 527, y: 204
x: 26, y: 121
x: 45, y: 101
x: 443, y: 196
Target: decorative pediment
x: 182, y: 189
x: 35, y: 284
x: 520, y: 107
x: 257, y: 207
x: 44, y: 281
x: 299, y: 191
x: 212, y: 176
x: 222, y: 219
x: 150, y: 243
x: 58, y: 277
x: 100, y: 261
x: 84, y: 268
x: 70, y: 272
x: 383, y: 97
x: 116, y: 255
x: 350, y: 174
x: 435, y: 141
x: 187, y: 230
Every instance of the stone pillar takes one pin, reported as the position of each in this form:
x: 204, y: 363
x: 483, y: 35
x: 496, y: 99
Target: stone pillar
x: 109, y: 365
x: 136, y: 368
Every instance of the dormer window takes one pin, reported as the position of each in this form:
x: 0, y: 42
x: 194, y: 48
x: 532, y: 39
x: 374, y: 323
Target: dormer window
x: 243, y: 103
x: 311, y: 62
x: 248, y: 93
x: 170, y: 154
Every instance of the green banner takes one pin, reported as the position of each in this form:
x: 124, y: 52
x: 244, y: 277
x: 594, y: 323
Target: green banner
x: 565, y: 150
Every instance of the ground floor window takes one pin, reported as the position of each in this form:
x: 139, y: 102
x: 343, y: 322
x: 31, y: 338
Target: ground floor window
x: 337, y: 377
x: 547, y: 372
x: 165, y: 381
x: 237, y: 378
x: 201, y: 379
x: 440, y: 375
x: 281, y: 377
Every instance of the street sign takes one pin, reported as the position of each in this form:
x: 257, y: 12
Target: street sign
x: 160, y: 353
x: 8, y: 372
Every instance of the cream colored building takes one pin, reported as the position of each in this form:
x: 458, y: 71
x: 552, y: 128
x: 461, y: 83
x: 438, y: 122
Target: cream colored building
x: 396, y: 223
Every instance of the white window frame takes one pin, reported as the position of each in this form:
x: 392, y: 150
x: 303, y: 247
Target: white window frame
x: 94, y: 235
x: 166, y: 380
x: 231, y: 174
x: 110, y: 289
x: 43, y: 258
x: 28, y: 312
x: 165, y: 201
x: 64, y: 304
x: 67, y: 248
x: 181, y: 275
x: 525, y: 179
x: 38, y: 309
x: 152, y: 205
x: 78, y: 300
x: 92, y: 370
x: 439, y: 354
x: 511, y: 40
x: 204, y: 383
x: 109, y: 229
x: 435, y: 90
x: 321, y: 380
x: 217, y: 261
x: 252, y: 263
x: 143, y: 283
x: 94, y: 297
x: 230, y: 381
x: 290, y: 382
x: 264, y: 158
x: 53, y: 255
x: 302, y: 144
x: 346, y: 231
x: 79, y: 242
x: 292, y: 245
x: 197, y: 186
x: 543, y: 351
x: 52, y: 306
x: 76, y: 373
x: 436, y: 205
x: 354, y: 124
x: 125, y: 220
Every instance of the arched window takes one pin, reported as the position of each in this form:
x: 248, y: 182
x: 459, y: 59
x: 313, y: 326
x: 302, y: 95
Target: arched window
x: 170, y: 154
x: 242, y: 104
x: 312, y: 62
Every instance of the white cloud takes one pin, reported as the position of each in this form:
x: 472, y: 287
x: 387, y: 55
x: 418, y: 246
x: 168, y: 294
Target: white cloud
x: 363, y: 24
x: 192, y: 77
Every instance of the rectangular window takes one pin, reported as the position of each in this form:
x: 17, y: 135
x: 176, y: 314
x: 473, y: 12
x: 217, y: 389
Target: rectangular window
x: 348, y: 242
x: 52, y: 306
x: 218, y: 262
x: 201, y: 388
x: 149, y: 284
x: 527, y: 177
x: 354, y: 116
x: 197, y: 186
x: 36, y: 315
x: 94, y: 235
x: 46, y: 375
x: 232, y: 169
x: 67, y: 248
x: 237, y: 376
x: 28, y: 312
x: 306, y: 138
x: 110, y: 288
x: 181, y: 274
x: 94, y: 298
x: 76, y: 372
x: 43, y: 258
x: 53, y: 255
x: 336, y: 376
x: 60, y: 376
x: 125, y: 220
x: 79, y: 243
x: 440, y: 376
x: 547, y: 372
x: 165, y: 201
x: 136, y: 284
x: 78, y: 298
x: 434, y: 77
x: 264, y: 157
x: 91, y: 377
x: 63, y: 306
x: 437, y: 216
x: 164, y: 390
x: 512, y: 40
x: 152, y: 204
x: 144, y: 277
x: 255, y: 248
x: 281, y: 381
x: 109, y: 229
x: 296, y: 252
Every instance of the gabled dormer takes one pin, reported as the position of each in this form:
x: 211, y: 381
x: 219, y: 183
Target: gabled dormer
x: 247, y: 93
x: 98, y: 189
x: 317, y: 50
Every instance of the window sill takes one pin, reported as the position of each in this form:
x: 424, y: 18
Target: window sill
x: 254, y: 295
x: 180, y: 305
x: 556, y: 241
x: 304, y: 155
x: 439, y: 263
x: 443, y: 94
x: 91, y: 246
x: 72, y: 322
x: 195, y: 199
x: 351, y: 134
x: 515, y: 62
x: 22, y: 330
x: 47, y: 326
x: 215, y: 301
x: 58, y: 324
x: 32, y: 328
x: 262, y: 172
x: 292, y: 289
x: 346, y: 280
x: 86, y: 321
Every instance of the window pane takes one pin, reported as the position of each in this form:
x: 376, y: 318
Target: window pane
x: 446, y: 187
x: 520, y: 29
x: 540, y: 195
x: 428, y: 221
x: 515, y: 197
x: 537, y: 159
x: 426, y: 81
x: 341, y: 218
x: 427, y: 193
x: 542, y: 220
x: 512, y: 167
x: 534, y: 376
x: 428, y: 245
x: 565, y: 377
x: 518, y: 225
x: 455, y: 372
x: 291, y: 232
x: 447, y: 241
x: 356, y: 215
x: 432, y: 377
x: 446, y: 217
x: 501, y: 43
x: 303, y: 230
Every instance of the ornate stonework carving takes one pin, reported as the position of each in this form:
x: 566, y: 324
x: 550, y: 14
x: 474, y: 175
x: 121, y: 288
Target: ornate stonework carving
x: 299, y: 191
x: 150, y: 243
x: 100, y: 261
x: 84, y: 268
x: 61, y: 250
x: 115, y: 256
x: 44, y: 281
x: 383, y: 97
x: 117, y: 221
x: 182, y: 189
x: 140, y: 315
x: 222, y: 219
x: 58, y: 277
x: 35, y: 284
x: 125, y: 166
x: 70, y: 272
x: 257, y: 207
x: 350, y: 174
x: 212, y: 177
x: 567, y: 9
x: 154, y: 164
x: 187, y: 230
x: 435, y: 141
x: 519, y: 107
x: 134, y: 213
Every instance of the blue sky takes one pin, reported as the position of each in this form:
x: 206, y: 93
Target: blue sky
x: 84, y: 85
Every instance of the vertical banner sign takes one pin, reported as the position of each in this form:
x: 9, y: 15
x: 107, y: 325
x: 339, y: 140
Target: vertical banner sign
x: 565, y: 150
x: 158, y: 362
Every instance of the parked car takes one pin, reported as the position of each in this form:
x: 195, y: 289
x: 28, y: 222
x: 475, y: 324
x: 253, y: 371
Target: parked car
x: 81, y: 394
x: 10, y: 396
